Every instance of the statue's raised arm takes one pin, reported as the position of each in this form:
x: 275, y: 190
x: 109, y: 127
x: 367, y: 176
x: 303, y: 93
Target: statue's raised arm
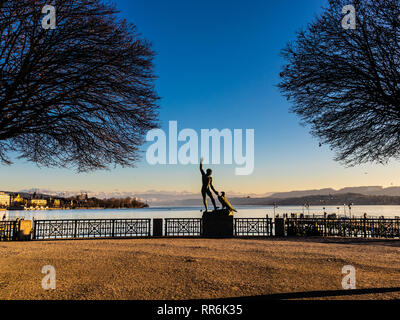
x: 201, y: 166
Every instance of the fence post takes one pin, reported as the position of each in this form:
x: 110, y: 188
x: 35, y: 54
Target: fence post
x: 279, y: 227
x: 269, y: 226
x: 157, y: 227
x: 15, y: 230
x: 34, y: 229
x: 149, y: 228
x: 24, y: 231
x: 112, y: 228
x: 75, y: 227
x: 365, y: 226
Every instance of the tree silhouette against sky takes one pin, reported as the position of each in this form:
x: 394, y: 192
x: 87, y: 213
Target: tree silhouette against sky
x: 345, y: 84
x: 81, y: 95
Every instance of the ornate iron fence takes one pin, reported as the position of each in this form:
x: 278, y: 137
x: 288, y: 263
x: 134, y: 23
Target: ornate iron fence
x: 193, y: 227
x: 91, y: 228
x: 187, y: 227
x: 344, y: 227
x: 8, y: 230
x: 253, y: 227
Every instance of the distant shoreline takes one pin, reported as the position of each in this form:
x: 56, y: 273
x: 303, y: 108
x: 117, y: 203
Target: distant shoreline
x: 199, y: 207
x: 67, y: 209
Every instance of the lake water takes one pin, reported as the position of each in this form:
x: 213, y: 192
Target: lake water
x: 194, y: 212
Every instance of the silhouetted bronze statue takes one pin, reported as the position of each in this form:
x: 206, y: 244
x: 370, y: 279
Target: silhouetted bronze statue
x: 207, y: 184
x: 225, y: 202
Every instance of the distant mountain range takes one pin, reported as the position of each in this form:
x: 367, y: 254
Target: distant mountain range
x: 322, y: 200
x: 358, y: 195
x: 369, y: 190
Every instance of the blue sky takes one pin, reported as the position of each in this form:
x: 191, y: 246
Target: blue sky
x: 218, y: 65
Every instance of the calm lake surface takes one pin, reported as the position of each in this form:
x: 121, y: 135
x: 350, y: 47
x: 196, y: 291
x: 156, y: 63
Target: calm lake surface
x: 194, y: 212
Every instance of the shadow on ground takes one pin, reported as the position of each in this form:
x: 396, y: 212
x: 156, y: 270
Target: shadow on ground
x: 319, y: 294
x: 338, y: 240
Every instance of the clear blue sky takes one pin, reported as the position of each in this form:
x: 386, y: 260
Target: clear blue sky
x: 218, y: 65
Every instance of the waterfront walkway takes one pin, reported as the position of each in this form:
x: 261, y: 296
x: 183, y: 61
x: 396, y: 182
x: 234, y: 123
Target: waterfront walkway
x: 197, y: 268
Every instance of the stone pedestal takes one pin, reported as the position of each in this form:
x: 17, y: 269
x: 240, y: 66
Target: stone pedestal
x: 218, y: 224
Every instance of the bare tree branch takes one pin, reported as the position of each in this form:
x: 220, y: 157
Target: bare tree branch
x: 345, y: 84
x: 81, y: 95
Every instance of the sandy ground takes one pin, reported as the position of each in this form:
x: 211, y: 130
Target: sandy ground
x: 195, y: 268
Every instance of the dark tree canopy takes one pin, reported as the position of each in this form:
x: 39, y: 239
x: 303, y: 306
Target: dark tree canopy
x: 345, y: 84
x: 80, y: 95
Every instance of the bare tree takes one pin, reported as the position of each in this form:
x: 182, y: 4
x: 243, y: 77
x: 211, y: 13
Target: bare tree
x: 80, y: 95
x: 345, y: 84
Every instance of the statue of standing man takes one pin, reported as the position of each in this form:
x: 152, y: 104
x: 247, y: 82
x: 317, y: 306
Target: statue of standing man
x: 207, y: 184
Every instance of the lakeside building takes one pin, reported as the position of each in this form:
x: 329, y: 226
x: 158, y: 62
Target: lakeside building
x: 39, y: 202
x: 17, y: 200
x: 5, y: 199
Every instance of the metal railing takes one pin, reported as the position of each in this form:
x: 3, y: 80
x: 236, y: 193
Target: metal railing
x: 193, y: 227
x: 344, y: 227
x: 185, y: 227
x: 91, y: 228
x: 9, y: 230
x: 253, y: 227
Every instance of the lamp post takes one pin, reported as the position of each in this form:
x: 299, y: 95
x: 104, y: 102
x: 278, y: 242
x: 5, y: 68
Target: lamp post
x: 307, y: 205
x: 349, y: 205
